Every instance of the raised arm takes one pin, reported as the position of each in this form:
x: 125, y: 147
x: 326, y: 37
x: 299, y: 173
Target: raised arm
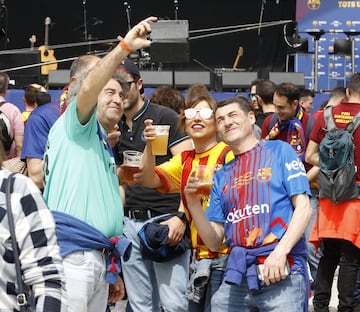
x: 97, y: 78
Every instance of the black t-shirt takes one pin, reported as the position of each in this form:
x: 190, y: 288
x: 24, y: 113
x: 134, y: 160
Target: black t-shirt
x: 260, y: 118
x: 138, y: 197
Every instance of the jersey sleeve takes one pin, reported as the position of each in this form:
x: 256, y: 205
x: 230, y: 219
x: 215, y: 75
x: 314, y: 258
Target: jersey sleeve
x: 293, y: 170
x: 170, y: 174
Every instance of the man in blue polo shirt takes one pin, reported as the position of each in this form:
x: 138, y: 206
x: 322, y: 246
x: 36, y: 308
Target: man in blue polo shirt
x: 81, y: 185
x: 44, y: 116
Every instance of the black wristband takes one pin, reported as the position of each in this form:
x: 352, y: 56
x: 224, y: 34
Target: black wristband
x: 182, y: 216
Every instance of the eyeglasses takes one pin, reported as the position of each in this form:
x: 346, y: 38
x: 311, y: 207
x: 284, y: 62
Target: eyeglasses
x: 205, y: 113
x: 251, y: 95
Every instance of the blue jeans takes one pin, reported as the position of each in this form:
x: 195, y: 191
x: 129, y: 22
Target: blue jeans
x: 313, y: 254
x: 151, y: 285
x: 284, y: 296
x: 216, y: 277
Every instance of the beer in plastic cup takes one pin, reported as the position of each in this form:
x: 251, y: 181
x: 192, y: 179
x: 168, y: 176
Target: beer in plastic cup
x: 131, y: 165
x: 205, y: 175
x: 160, y: 144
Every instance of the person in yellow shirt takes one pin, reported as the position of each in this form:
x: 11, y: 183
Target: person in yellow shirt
x: 198, y: 120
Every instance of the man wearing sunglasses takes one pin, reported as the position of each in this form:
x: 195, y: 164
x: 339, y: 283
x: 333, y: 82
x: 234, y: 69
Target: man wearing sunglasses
x: 149, y: 284
x: 253, y: 93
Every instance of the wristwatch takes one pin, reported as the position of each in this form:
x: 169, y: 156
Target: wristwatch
x: 182, y: 216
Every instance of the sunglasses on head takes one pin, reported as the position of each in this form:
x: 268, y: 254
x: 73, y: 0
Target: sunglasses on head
x: 205, y: 113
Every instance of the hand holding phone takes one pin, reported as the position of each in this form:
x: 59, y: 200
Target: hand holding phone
x: 260, y: 270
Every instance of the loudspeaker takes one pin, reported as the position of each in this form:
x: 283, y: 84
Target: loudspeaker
x: 280, y: 77
x: 169, y: 30
x: 236, y: 80
x: 170, y: 41
x: 342, y: 46
x: 184, y: 79
x: 298, y: 45
x: 156, y: 78
x: 170, y: 52
x: 59, y: 78
x: 12, y: 63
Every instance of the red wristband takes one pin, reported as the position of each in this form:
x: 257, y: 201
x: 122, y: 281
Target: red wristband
x: 125, y: 46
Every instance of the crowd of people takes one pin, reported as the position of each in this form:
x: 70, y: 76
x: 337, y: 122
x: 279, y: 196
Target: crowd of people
x: 259, y: 238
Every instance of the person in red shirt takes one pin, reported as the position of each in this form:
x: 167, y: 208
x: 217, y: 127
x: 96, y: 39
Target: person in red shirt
x: 337, y: 226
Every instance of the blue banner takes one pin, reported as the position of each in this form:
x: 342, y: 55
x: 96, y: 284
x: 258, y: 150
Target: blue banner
x: 335, y: 18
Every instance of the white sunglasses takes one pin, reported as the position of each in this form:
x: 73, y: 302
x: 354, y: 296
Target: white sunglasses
x: 205, y: 113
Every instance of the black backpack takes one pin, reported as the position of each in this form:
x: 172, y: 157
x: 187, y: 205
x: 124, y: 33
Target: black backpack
x: 337, y: 176
x: 5, y: 130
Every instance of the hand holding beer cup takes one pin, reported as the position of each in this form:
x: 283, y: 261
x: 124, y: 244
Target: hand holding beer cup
x: 160, y: 143
x: 204, y: 175
x: 131, y: 165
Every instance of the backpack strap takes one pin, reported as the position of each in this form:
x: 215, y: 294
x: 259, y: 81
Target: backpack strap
x: 329, y: 120
x: 354, y: 124
x: 2, y: 102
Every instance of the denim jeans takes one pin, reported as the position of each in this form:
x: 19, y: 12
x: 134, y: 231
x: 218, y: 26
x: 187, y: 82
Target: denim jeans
x: 218, y: 267
x: 313, y: 254
x: 86, y: 287
x: 347, y: 256
x: 284, y: 296
x: 151, y: 285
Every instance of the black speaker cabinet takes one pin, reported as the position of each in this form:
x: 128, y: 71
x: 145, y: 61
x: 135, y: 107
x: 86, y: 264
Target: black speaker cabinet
x: 170, y: 52
x: 170, y: 41
x: 155, y: 79
x: 12, y: 64
x: 295, y: 78
x: 59, y: 78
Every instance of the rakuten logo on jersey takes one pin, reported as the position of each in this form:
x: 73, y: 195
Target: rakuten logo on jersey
x: 247, y: 212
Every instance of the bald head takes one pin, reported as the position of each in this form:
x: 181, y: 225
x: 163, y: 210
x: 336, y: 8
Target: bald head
x: 78, y: 72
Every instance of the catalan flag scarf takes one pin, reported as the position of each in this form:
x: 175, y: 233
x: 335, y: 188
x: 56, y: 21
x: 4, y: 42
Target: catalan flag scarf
x: 295, y: 133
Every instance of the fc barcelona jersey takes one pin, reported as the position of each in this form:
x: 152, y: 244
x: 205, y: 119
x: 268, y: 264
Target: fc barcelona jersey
x: 175, y: 173
x: 254, y: 192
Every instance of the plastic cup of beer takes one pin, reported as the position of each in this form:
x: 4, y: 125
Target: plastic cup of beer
x: 131, y: 165
x: 160, y: 144
x: 205, y: 176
